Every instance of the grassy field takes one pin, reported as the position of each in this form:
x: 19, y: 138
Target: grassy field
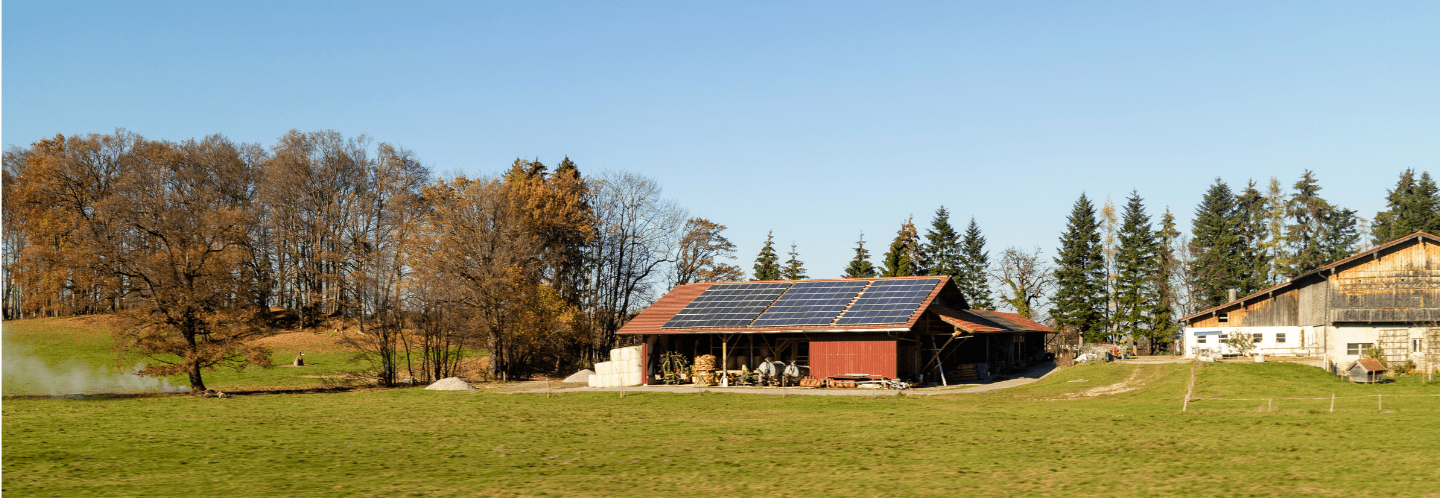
x: 83, y: 344
x: 1119, y: 433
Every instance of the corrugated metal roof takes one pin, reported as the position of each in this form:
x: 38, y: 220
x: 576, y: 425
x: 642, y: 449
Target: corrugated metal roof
x: 653, y: 319
x: 1415, y: 236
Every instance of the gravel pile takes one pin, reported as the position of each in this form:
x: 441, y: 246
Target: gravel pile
x: 581, y: 376
x: 450, y: 384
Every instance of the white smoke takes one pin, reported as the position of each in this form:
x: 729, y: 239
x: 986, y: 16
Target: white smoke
x: 27, y: 374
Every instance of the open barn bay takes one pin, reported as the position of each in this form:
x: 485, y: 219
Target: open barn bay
x: 1054, y: 437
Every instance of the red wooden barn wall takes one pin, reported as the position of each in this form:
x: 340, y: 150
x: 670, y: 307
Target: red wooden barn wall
x: 839, y: 358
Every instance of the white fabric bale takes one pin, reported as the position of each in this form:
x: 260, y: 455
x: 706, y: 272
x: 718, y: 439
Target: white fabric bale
x: 634, y: 378
x: 602, y: 368
x: 593, y: 380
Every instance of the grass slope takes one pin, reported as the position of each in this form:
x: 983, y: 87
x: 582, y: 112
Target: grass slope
x: 83, y: 343
x: 1047, y: 438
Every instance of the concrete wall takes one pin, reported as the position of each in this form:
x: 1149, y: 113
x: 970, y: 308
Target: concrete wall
x: 1299, y: 341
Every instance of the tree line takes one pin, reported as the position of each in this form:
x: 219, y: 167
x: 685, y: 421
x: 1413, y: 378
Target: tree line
x: 1119, y: 276
x: 200, y: 245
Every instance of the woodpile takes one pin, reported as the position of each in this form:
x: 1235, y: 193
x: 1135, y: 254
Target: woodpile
x: 963, y: 373
x: 704, y: 370
x: 705, y: 362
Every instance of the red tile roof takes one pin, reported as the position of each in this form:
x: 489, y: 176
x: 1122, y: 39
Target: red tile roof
x: 1369, y: 364
x: 981, y: 321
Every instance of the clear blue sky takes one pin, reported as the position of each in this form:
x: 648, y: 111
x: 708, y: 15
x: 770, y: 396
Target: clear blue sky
x: 815, y: 120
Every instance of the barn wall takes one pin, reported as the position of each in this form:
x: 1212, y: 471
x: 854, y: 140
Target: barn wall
x: 829, y: 358
x: 1282, y: 310
x: 1394, y: 286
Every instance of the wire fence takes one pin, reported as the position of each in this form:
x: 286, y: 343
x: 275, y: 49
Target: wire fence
x: 1271, y: 405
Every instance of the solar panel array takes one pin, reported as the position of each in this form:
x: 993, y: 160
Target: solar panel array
x: 888, y: 301
x: 809, y: 303
x: 727, y: 305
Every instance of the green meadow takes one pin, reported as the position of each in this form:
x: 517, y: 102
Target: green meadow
x: 1119, y: 432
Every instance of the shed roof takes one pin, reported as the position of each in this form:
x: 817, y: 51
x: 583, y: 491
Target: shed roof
x: 1370, y: 365
x: 985, y: 321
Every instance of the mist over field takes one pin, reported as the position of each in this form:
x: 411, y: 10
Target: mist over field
x: 27, y: 374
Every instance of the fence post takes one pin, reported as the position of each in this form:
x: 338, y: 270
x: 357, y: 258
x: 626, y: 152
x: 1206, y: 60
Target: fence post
x: 1270, y: 405
x: 1189, y: 390
x: 1380, y: 402
x: 1332, y: 402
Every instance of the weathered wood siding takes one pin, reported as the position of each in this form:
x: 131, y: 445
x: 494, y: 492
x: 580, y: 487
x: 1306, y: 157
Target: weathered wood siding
x: 1398, y: 285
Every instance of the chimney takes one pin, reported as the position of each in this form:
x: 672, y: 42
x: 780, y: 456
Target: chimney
x: 1232, y: 294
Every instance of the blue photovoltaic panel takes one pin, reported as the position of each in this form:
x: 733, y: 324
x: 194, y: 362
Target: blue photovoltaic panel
x: 811, y: 303
x: 727, y: 305
x: 888, y: 301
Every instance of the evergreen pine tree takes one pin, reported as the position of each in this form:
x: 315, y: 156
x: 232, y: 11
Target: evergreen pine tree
x: 900, y: 259
x: 1163, y: 324
x: 1398, y: 218
x: 1080, y: 299
x: 1275, y: 203
x: 794, y: 269
x: 1253, y: 220
x: 1427, y: 203
x: 767, y: 266
x: 1215, y: 241
x: 860, y: 267
x: 1409, y: 208
x: 1307, y: 212
x: 1340, y: 234
x: 940, y: 254
x: 974, y: 266
x: 1135, y: 271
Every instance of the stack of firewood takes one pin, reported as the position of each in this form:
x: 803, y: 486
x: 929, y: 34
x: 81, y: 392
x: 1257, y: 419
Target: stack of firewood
x: 705, y: 362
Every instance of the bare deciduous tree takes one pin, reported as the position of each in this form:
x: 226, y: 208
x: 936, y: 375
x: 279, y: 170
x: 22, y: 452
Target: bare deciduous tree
x: 1027, y: 281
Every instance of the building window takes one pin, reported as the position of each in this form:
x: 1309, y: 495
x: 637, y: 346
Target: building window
x: 1415, y: 345
x: 1224, y: 336
x: 1280, y: 338
x: 1357, y: 348
x: 1257, y: 338
x: 1223, y: 317
x: 1199, y: 339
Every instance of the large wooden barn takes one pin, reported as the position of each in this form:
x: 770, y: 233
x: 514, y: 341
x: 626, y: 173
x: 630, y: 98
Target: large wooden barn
x: 1386, y: 298
x: 895, y: 328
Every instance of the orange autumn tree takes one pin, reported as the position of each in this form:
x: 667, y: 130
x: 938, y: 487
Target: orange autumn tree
x: 154, y: 230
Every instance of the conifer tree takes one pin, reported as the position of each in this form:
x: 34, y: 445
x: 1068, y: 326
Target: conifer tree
x: 794, y: 269
x: 1275, y: 202
x: 1080, y: 299
x: 940, y: 254
x: 1252, y: 218
x: 767, y: 264
x: 1163, y: 325
x: 1135, y: 271
x: 1410, y: 207
x: 1215, y: 242
x: 1340, y: 234
x: 900, y: 259
x: 974, y: 265
x: 1307, y: 212
x: 860, y: 267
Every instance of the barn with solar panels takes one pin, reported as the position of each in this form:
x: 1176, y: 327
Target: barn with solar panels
x: 910, y: 328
